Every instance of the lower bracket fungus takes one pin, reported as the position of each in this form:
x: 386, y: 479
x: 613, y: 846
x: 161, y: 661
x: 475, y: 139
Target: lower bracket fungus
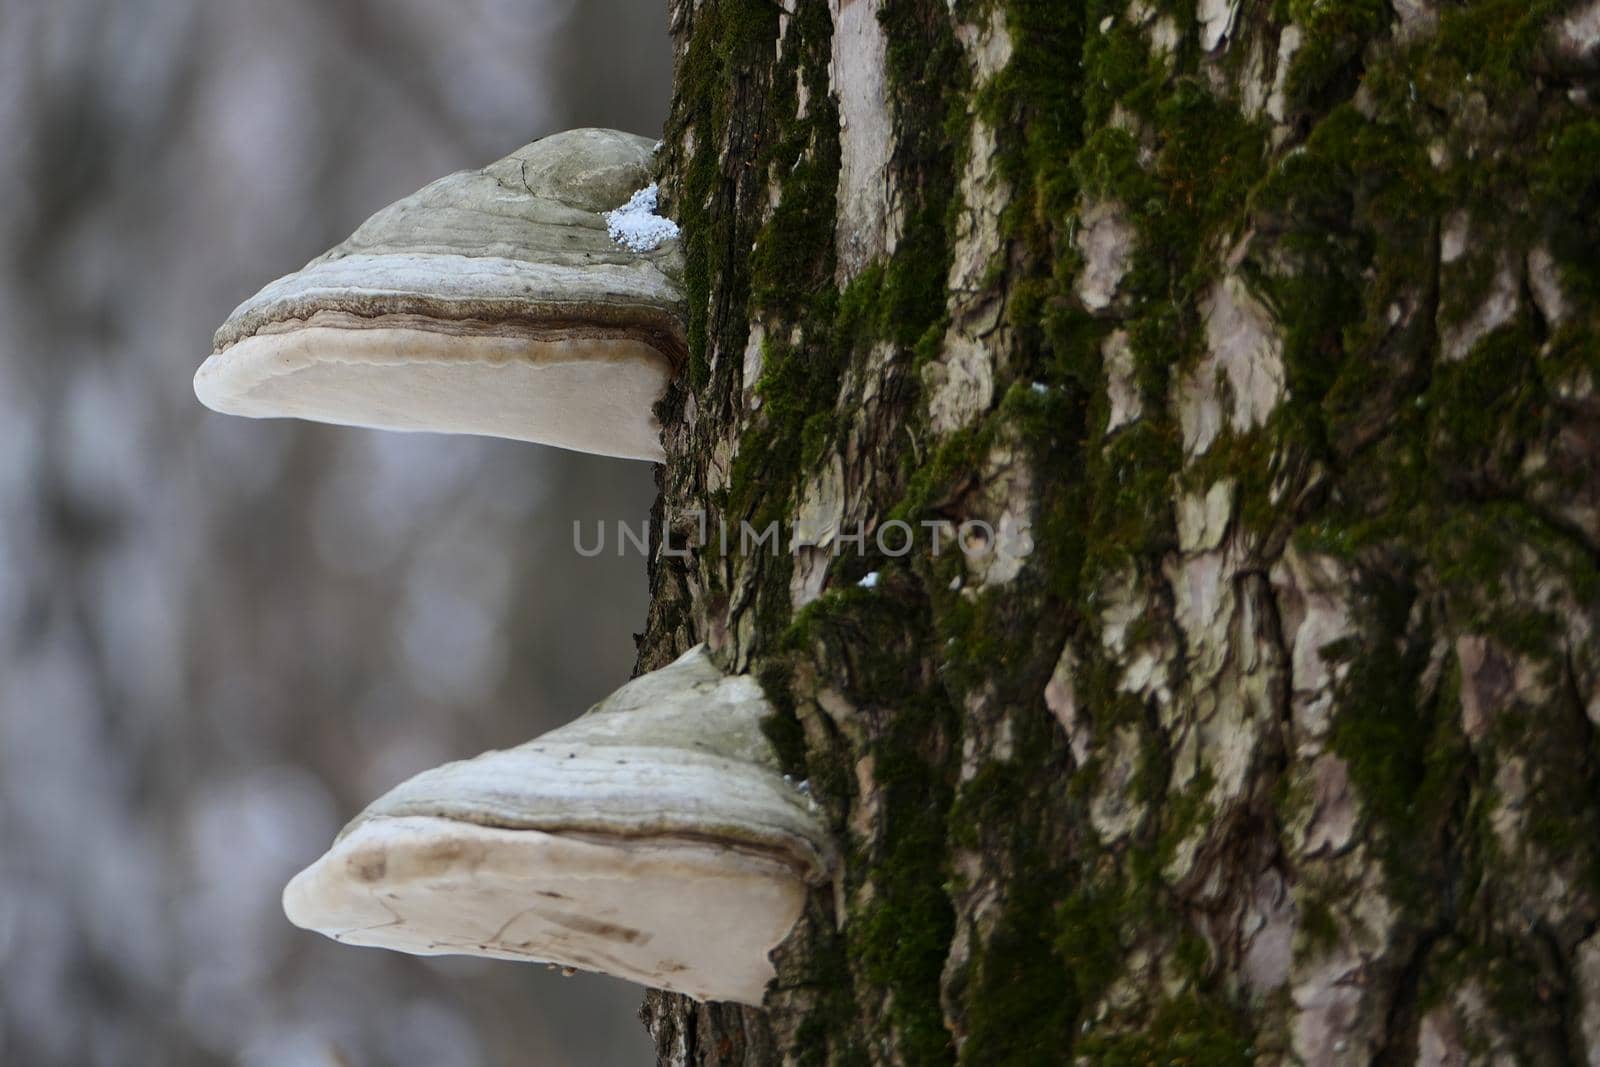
x: 491, y: 302
x: 653, y: 839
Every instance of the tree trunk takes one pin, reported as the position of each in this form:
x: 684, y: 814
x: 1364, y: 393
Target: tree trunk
x: 1242, y: 362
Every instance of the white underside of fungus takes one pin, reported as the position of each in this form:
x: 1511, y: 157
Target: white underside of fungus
x: 680, y: 915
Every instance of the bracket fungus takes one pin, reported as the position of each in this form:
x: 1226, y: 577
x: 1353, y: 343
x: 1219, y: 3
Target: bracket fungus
x: 491, y: 302
x: 653, y: 839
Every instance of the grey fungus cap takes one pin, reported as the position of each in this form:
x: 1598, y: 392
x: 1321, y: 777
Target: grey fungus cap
x: 490, y: 302
x: 652, y: 839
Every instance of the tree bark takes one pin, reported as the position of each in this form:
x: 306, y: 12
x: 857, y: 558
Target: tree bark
x: 1251, y: 350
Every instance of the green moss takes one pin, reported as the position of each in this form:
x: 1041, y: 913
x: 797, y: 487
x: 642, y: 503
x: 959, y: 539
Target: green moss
x: 1560, y: 751
x: 1184, y: 812
x: 1327, y: 64
x: 901, y: 941
x: 902, y: 935
x: 1018, y: 997
x: 1319, y: 928
x: 1210, y: 157
x: 826, y: 1037
x: 1489, y: 44
x: 1133, y: 484
x: 1523, y: 1009
x: 1486, y: 404
x: 1381, y: 729
x: 1187, y: 1031
x: 1021, y: 1008
x: 1126, y: 74
x: 898, y: 939
x: 1088, y: 923
x: 1035, y: 108
x: 782, y: 728
x: 927, y: 76
x: 1407, y: 757
x: 1052, y: 425
x: 797, y: 390
x: 1567, y: 204
x: 734, y: 35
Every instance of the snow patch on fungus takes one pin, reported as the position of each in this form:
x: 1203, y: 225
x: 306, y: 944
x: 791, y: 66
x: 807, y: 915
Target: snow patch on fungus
x: 636, y: 226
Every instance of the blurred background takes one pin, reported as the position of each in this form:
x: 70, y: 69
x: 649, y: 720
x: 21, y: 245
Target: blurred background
x: 220, y: 638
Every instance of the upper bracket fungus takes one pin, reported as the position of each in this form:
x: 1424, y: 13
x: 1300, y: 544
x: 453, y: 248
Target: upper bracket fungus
x: 652, y: 839
x: 491, y: 302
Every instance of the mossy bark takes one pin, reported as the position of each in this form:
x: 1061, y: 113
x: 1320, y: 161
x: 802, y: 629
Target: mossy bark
x: 1261, y: 340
